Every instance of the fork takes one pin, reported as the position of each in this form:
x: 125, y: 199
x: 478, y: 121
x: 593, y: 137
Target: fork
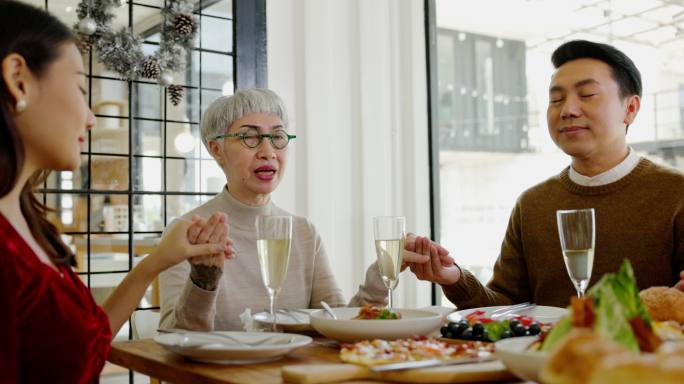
x: 511, y: 310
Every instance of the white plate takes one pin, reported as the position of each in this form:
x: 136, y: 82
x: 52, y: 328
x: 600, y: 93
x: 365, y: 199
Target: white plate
x: 540, y: 313
x: 518, y: 359
x: 292, y: 321
x: 413, y: 322
x: 212, y: 348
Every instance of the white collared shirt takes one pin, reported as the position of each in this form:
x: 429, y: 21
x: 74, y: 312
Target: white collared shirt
x: 610, y: 176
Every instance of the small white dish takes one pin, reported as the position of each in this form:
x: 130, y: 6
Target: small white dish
x: 413, y: 322
x: 293, y: 320
x: 211, y: 347
x: 541, y: 313
x: 524, y: 363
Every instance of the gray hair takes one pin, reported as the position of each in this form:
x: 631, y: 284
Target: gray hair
x: 223, y: 112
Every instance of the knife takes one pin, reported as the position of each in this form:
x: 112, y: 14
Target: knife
x: 428, y: 363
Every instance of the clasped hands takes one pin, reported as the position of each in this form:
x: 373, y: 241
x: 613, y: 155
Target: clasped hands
x: 429, y: 261
x: 426, y: 259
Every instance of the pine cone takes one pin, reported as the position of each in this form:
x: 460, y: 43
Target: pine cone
x: 84, y: 43
x: 183, y: 24
x: 150, y: 68
x: 175, y: 94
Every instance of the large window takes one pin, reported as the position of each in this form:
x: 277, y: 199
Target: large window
x: 145, y: 163
x: 490, y: 91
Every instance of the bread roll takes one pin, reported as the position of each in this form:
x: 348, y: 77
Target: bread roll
x: 664, y: 303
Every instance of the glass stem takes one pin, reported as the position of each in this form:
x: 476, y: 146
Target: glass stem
x: 389, y: 298
x: 271, y: 296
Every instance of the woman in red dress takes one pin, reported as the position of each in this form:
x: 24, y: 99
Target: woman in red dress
x: 51, y: 330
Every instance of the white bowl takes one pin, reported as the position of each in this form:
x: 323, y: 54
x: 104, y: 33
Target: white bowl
x: 413, y: 322
x: 524, y: 363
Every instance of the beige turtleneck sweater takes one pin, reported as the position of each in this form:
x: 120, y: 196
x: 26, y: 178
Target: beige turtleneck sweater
x: 639, y: 217
x: 309, y: 278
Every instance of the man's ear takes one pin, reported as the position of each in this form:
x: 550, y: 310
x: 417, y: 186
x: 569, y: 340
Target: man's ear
x: 215, y: 150
x: 17, y: 76
x: 633, y: 105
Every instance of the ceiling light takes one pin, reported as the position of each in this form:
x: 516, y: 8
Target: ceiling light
x: 69, y: 9
x: 461, y: 36
x: 499, y: 43
x: 184, y: 142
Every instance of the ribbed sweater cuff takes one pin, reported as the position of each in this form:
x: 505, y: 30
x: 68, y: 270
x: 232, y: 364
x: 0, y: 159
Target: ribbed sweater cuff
x: 462, y: 291
x: 196, y: 308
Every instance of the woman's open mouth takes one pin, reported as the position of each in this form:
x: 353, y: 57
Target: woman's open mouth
x: 265, y: 173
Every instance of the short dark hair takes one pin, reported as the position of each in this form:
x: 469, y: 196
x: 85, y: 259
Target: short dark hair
x: 624, y: 71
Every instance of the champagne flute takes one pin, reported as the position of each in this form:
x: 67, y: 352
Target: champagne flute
x: 273, y: 247
x: 390, y: 232
x: 577, y: 231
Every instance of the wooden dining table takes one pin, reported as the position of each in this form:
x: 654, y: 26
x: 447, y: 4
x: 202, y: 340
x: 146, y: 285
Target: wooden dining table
x: 147, y: 357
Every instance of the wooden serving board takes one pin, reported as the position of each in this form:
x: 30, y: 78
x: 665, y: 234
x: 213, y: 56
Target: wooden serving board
x: 330, y: 373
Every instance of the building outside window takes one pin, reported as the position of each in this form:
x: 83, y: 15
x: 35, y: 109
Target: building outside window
x: 493, y: 71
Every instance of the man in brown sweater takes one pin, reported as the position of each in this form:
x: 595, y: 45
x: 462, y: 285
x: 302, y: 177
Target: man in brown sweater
x: 594, y: 96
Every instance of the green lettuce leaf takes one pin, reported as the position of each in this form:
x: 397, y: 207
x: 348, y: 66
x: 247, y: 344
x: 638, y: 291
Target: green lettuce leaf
x: 559, y: 331
x: 625, y: 290
x: 616, y: 301
x: 495, y: 329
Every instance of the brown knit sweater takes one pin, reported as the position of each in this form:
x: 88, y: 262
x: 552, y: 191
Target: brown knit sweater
x: 639, y: 217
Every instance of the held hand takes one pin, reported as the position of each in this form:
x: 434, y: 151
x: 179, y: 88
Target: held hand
x: 175, y: 247
x: 434, y: 269
x: 213, y: 230
x: 206, y: 270
x: 680, y: 283
x: 411, y: 256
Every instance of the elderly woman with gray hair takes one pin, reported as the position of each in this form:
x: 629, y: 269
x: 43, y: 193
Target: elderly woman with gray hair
x: 210, y: 292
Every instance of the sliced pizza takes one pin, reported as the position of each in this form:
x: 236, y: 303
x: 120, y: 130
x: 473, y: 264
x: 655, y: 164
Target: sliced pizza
x: 371, y: 353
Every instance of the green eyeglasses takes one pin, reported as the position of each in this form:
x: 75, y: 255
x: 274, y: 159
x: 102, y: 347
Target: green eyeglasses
x: 252, y: 138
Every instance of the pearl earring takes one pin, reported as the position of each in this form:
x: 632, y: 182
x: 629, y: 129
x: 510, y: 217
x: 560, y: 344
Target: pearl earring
x: 21, y: 105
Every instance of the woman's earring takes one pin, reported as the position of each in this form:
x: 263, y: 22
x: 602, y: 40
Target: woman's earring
x: 21, y: 105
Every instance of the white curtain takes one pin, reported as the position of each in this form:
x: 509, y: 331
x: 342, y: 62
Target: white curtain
x: 353, y: 75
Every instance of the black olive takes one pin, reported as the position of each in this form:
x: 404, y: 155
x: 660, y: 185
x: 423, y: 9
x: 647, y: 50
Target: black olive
x: 450, y: 335
x: 443, y: 331
x: 467, y: 334
x: 519, y: 330
x: 462, y: 327
x: 513, y: 323
x: 453, y: 327
x: 506, y: 334
x: 485, y: 336
x: 535, y: 329
x: 478, y: 329
x: 457, y: 329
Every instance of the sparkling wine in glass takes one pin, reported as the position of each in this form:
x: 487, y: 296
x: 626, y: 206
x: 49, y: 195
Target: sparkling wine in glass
x: 577, y: 232
x: 390, y: 232
x: 273, y: 247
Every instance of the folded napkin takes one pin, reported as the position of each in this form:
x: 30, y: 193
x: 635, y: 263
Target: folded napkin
x: 247, y: 321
